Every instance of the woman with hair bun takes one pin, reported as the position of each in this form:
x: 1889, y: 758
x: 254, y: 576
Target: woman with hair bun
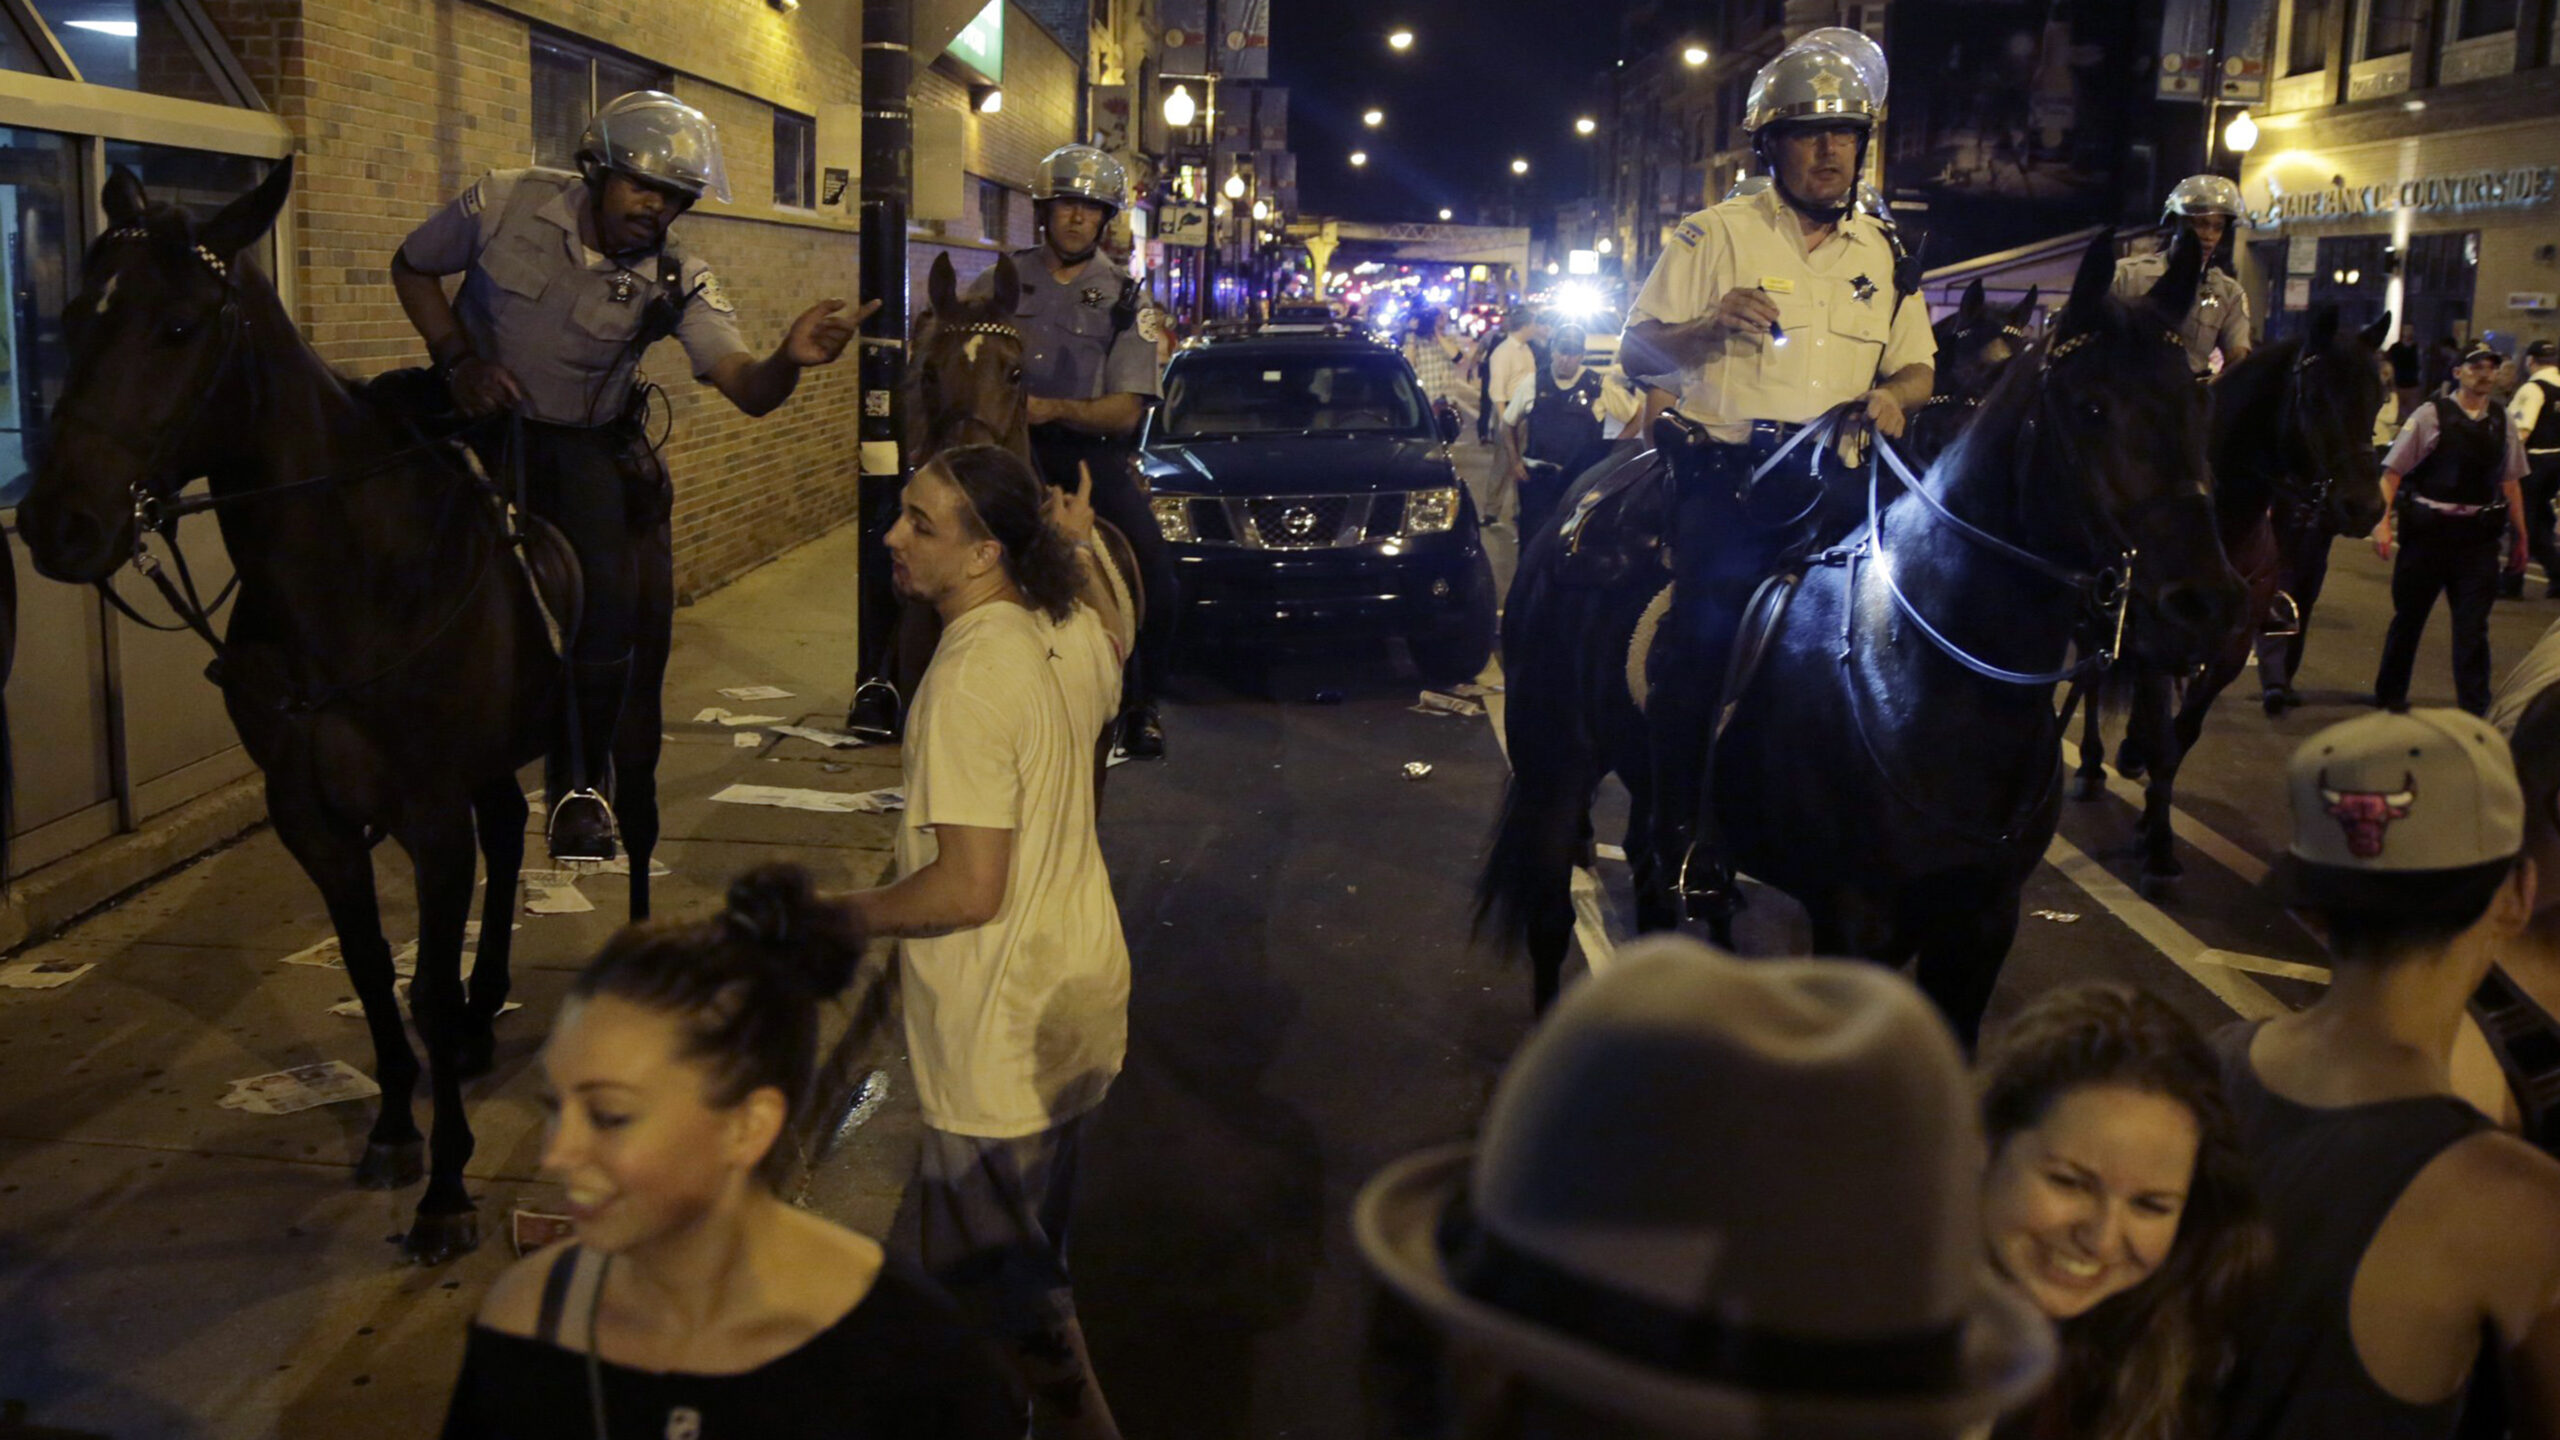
x: 695, y: 1300
x: 2117, y: 1200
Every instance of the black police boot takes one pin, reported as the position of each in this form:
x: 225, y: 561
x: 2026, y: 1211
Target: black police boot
x: 1690, y: 879
x: 1142, y: 733
x: 878, y: 715
x: 582, y: 825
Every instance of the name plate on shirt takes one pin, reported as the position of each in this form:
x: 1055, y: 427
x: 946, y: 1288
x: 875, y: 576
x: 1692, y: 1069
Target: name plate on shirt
x: 1778, y: 284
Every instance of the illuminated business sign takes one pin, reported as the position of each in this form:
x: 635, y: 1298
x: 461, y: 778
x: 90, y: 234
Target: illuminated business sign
x: 2515, y: 189
x: 980, y: 43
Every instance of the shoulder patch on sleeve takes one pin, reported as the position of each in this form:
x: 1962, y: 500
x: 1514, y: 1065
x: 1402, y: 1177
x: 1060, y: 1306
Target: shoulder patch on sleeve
x: 476, y: 198
x: 1689, y: 234
x: 1151, y: 324
x: 708, y: 287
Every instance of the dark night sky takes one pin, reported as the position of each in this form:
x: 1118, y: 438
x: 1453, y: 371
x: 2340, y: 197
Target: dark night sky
x: 1485, y: 80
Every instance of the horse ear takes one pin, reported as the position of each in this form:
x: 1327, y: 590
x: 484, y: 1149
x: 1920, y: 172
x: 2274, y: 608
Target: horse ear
x: 2323, y: 332
x: 2096, y: 276
x: 124, y: 198
x: 1008, y: 288
x: 2175, y: 294
x: 2373, y: 335
x: 2025, y: 309
x: 1971, y: 306
x: 942, y: 285
x: 242, y: 221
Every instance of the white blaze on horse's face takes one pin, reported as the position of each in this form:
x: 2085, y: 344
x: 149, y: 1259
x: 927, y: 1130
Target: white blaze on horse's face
x: 969, y: 348
x: 107, y: 292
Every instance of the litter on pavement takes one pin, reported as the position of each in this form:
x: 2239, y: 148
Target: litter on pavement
x: 756, y: 692
x: 354, y: 1008
x: 304, y: 1086
x: 1435, y: 703
x: 835, y: 802
x: 618, y: 865
x: 556, y: 900
x: 325, y: 954
x: 44, y: 974
x: 2059, y: 917
x: 734, y: 721
x: 1416, y: 769
x: 832, y: 739
x: 709, y: 713
x: 1474, y: 691
x: 1607, y: 851
x: 745, y: 740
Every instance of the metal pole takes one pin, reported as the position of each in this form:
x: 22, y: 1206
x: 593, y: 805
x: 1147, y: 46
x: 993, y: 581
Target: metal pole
x: 888, y: 184
x: 1209, y: 247
x: 2216, y: 16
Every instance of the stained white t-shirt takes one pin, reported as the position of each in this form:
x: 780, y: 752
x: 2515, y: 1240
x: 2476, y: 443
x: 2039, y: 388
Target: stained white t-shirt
x: 1019, y: 1024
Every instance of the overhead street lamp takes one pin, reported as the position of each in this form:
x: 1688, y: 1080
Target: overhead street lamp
x: 1606, y: 245
x: 2241, y: 133
x: 1586, y: 126
x: 1694, y: 56
x: 1374, y: 118
x: 1235, y: 186
x: 1444, y: 213
x: 1180, y: 109
x: 1519, y: 167
x: 1359, y: 158
x: 1261, y: 209
x: 1399, y: 39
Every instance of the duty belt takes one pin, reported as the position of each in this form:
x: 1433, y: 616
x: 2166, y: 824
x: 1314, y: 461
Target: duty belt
x: 2442, y: 508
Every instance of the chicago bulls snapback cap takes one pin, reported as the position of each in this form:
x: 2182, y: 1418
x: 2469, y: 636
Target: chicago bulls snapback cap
x: 2384, y: 803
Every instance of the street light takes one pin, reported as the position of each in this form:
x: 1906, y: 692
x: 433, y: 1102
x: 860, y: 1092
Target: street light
x: 1359, y: 158
x: 2241, y: 133
x: 1606, y: 245
x: 1400, y: 39
x: 1374, y: 118
x: 1235, y: 187
x: 1444, y: 214
x: 1261, y: 209
x: 1179, y: 108
x: 1694, y: 56
x: 1585, y: 126
x: 1519, y: 167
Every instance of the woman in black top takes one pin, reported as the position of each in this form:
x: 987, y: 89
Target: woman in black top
x: 696, y: 1303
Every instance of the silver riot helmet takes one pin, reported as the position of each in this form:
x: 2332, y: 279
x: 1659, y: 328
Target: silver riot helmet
x: 1858, y: 50
x: 1810, y: 85
x: 2205, y: 195
x: 1083, y: 173
x: 656, y: 139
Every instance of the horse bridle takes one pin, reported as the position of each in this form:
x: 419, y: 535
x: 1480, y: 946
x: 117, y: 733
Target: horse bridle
x: 2312, y: 494
x: 996, y: 329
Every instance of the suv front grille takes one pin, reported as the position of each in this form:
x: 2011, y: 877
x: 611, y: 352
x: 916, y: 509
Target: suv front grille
x: 1295, y: 522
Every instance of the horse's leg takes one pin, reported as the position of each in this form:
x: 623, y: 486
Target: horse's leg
x: 444, y: 858
x: 335, y: 856
x: 637, y: 742
x: 2146, y: 722
x: 1961, y: 949
x: 2092, y: 690
x: 498, y: 811
x: 1644, y: 861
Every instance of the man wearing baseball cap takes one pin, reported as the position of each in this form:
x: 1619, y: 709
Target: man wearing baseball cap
x: 2410, y: 1231
x: 1718, y: 1198
x: 2536, y: 413
x: 2454, y: 477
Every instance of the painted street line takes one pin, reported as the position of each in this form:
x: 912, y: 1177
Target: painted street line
x: 2246, y: 997
x: 1591, y: 922
x: 2250, y: 869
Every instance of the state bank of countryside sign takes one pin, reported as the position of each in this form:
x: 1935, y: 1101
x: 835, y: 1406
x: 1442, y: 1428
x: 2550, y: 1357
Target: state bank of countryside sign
x: 2512, y: 189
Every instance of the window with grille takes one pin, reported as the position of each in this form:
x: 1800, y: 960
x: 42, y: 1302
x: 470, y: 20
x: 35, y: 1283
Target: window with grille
x: 570, y: 80
x: 795, y: 160
x: 993, y: 204
x: 2485, y: 17
x: 2307, y: 46
x: 2390, y: 27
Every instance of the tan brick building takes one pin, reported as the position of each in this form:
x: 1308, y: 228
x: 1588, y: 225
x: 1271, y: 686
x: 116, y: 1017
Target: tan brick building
x: 391, y: 107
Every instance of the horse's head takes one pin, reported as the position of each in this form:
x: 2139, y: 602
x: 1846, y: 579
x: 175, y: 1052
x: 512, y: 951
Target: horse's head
x: 2110, y: 427
x: 1977, y: 341
x: 159, y: 339
x: 968, y: 364
x: 2331, y: 396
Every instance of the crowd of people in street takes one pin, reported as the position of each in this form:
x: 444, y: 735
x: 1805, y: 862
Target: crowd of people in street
x: 1711, y: 1197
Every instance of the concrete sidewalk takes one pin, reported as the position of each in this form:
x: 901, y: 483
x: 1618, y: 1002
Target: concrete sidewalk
x: 172, y: 1268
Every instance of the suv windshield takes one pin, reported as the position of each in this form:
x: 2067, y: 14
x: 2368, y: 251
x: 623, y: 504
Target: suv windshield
x: 1292, y: 394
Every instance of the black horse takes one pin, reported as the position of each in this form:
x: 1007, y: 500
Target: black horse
x: 2292, y: 424
x: 386, y: 663
x: 1894, y: 764
x: 1975, y: 343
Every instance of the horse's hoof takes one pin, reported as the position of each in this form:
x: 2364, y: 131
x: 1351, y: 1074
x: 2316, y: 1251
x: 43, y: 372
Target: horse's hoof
x: 435, y: 1239
x: 2093, y: 786
x: 2132, y: 770
x: 391, y: 1166
x: 476, y: 1053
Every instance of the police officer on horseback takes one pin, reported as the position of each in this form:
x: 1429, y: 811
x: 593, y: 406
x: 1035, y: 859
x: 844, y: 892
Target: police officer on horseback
x: 2208, y: 206
x: 567, y: 279
x: 1089, y: 368
x: 1774, y: 307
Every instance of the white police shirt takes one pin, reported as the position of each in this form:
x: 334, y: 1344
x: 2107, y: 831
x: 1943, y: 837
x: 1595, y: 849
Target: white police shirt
x: 1844, y: 333
x: 2218, y: 320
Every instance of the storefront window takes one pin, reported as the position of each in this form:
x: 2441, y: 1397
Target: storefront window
x: 132, y: 45
x: 2390, y: 27
x: 36, y: 241
x: 2437, y: 277
x: 2307, y: 48
x: 2486, y: 17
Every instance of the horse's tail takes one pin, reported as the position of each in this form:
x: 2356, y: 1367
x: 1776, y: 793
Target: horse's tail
x: 1526, y: 886
x: 1526, y: 870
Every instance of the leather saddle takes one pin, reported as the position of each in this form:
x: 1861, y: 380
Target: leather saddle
x: 416, y: 397
x: 1615, y: 523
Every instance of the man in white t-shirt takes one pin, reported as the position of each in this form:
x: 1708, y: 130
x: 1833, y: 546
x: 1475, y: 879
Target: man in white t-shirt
x: 1513, y: 361
x: 1015, y: 974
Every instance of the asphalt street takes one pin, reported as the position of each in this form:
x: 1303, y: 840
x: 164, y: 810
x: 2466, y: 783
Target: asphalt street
x: 1308, y: 1005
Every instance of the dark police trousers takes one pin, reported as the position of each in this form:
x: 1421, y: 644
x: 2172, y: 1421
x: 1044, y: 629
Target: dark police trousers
x: 1116, y: 498
x: 1723, y: 546
x: 574, y: 478
x: 2541, y: 487
x: 2302, y: 567
x: 2455, y: 556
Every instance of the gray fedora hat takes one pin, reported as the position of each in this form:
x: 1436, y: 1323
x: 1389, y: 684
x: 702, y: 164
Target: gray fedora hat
x: 1724, y: 1197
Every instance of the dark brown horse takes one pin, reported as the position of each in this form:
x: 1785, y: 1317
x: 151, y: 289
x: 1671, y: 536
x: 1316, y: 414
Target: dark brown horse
x: 386, y: 662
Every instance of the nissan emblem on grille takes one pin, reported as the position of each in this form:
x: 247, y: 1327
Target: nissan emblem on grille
x: 1300, y: 522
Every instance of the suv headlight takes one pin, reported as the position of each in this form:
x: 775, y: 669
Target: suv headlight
x: 1173, y: 517
x: 1428, y: 512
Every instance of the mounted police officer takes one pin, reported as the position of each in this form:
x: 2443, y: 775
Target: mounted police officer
x: 1089, y: 364
x: 1774, y: 307
x: 2209, y: 206
x: 567, y: 279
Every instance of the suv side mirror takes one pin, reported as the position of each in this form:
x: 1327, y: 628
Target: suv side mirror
x: 1448, y: 417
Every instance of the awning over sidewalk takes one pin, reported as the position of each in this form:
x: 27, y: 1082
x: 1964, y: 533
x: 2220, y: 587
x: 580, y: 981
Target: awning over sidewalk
x: 2048, y: 265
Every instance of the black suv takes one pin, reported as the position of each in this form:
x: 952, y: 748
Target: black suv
x: 1305, y: 488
